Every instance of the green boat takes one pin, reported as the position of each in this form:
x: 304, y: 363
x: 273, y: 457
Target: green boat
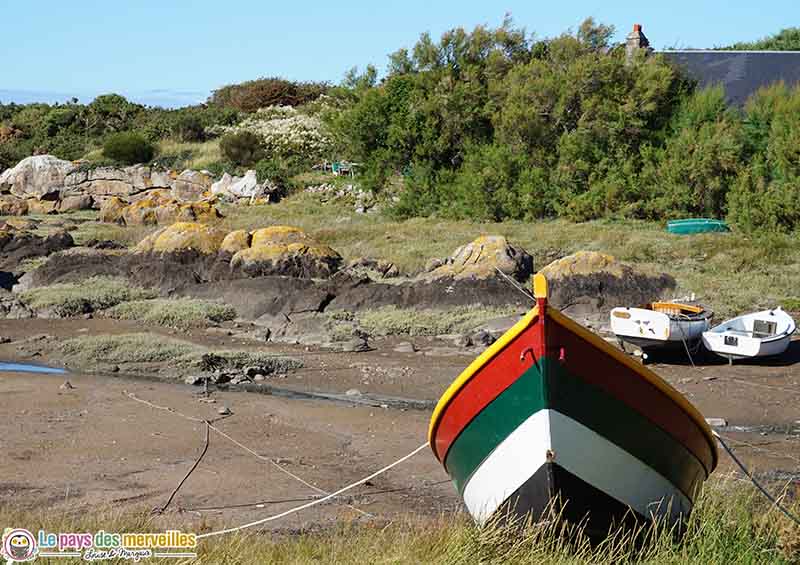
x: 697, y: 225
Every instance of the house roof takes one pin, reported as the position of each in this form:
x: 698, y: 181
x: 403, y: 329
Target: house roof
x: 741, y: 73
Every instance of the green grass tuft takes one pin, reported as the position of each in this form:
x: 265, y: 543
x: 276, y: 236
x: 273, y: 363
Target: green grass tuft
x: 72, y: 299
x: 126, y: 348
x: 391, y: 320
x: 174, y: 313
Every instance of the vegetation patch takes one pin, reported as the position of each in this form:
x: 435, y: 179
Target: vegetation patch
x: 73, y: 299
x: 728, y: 525
x: 391, y: 320
x: 126, y: 348
x: 174, y: 313
x: 264, y: 363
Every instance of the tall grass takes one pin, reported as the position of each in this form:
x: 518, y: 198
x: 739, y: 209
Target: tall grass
x: 197, y: 156
x: 729, y: 525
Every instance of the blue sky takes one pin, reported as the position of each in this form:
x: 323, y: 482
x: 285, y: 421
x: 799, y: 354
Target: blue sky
x: 174, y: 52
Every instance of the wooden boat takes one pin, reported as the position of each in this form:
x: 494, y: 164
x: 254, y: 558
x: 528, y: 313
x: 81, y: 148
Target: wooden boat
x: 761, y: 334
x: 661, y: 325
x: 696, y: 225
x: 553, y: 416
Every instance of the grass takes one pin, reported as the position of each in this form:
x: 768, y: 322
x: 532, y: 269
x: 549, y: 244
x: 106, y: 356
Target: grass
x: 73, y: 299
x: 89, y: 351
x: 128, y: 236
x: 126, y: 348
x: 198, y: 155
x: 181, y: 313
x: 728, y: 526
x: 391, y: 320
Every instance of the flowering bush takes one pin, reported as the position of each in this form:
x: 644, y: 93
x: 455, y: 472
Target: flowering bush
x: 285, y: 132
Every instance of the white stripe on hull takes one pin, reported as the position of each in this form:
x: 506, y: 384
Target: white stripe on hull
x: 582, y: 452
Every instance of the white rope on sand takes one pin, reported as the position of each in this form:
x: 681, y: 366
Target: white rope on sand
x: 241, y: 445
x: 314, y: 502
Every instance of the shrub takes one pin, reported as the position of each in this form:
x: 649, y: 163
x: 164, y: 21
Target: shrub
x: 242, y: 148
x: 188, y: 128
x: 254, y: 94
x: 128, y: 148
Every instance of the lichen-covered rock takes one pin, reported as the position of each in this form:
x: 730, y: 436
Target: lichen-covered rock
x: 75, y: 202
x: 481, y: 259
x: 287, y: 251
x: 117, y: 181
x: 12, y: 206
x: 183, y: 236
x: 141, y: 213
x: 112, y: 209
x: 235, y: 242
x: 597, y: 282
x: 37, y: 177
x: 190, y: 185
x: 36, y: 206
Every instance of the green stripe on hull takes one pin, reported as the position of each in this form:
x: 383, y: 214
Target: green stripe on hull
x: 586, y: 404
x: 493, y: 424
x: 615, y: 421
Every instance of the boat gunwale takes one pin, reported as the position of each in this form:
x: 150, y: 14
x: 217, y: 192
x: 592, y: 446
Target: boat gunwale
x: 487, y: 356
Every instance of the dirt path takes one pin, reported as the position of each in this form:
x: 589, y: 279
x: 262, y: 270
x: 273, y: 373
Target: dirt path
x: 93, y: 447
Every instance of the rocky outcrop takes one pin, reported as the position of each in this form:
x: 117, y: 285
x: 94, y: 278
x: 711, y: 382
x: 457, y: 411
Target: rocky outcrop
x: 242, y: 187
x: 183, y: 236
x: 155, y: 209
x: 236, y: 241
x: 40, y: 177
x: 124, y: 182
x: 18, y: 245
x: 588, y: 282
x: 481, y: 259
x: 191, y: 186
x: 287, y: 251
x: 13, y: 206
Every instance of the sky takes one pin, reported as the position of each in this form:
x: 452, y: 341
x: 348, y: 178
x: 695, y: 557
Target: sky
x: 175, y: 52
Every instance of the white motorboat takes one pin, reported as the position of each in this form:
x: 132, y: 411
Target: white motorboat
x: 761, y: 334
x: 661, y: 325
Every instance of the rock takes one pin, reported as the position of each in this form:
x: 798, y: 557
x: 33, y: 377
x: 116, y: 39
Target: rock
x: 354, y: 345
x: 190, y: 186
x: 75, y: 202
x: 353, y: 392
x: 40, y: 176
x: 183, y: 236
x: 258, y: 377
x: 124, y: 182
x: 482, y: 337
x: 194, y: 380
x: 220, y: 188
x: 16, y: 246
x: 42, y: 206
x: 21, y: 224
x: 405, y: 347
x: 11, y: 308
x: 463, y: 340
x: 112, y: 210
x: 141, y: 213
x: 286, y: 251
x: 66, y: 385
x: 588, y: 284
x: 235, y: 241
x: 245, y: 187
x: 717, y: 422
x: 13, y: 206
x: 224, y: 411
x: 482, y: 258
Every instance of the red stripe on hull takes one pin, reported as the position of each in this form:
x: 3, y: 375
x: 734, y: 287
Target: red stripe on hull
x: 487, y: 384
x: 626, y: 385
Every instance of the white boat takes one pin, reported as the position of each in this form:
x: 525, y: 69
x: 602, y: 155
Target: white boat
x: 661, y: 325
x: 760, y: 334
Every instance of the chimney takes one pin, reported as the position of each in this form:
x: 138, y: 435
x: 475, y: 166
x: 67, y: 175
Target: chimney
x: 636, y: 40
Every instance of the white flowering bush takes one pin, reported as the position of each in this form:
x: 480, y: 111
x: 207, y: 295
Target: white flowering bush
x: 285, y: 132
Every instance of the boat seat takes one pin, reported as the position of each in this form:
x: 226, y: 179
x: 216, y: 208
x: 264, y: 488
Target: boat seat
x: 763, y: 328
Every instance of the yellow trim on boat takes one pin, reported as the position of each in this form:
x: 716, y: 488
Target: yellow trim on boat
x: 539, y: 286
x: 643, y: 372
x: 477, y: 365
x: 672, y: 306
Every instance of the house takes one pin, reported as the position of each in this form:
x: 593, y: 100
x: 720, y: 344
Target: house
x: 741, y: 73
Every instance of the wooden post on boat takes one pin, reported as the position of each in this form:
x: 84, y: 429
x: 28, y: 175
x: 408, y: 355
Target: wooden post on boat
x: 540, y: 293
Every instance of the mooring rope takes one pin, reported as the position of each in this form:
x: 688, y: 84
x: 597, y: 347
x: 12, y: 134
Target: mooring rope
x: 314, y: 502
x: 239, y: 444
x: 753, y: 480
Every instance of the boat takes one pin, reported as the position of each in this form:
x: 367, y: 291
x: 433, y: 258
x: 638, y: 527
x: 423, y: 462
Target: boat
x: 661, y: 325
x: 760, y: 334
x: 553, y: 418
x: 696, y: 225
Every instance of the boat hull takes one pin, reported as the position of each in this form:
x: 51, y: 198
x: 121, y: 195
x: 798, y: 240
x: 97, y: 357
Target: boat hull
x: 652, y: 330
x: 553, y: 417
x: 736, y: 338
x: 696, y: 225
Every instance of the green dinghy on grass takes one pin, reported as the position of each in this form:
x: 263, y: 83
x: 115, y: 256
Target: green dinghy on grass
x: 697, y: 225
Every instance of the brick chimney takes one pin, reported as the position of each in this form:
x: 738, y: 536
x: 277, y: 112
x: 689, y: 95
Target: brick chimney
x: 636, y: 40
